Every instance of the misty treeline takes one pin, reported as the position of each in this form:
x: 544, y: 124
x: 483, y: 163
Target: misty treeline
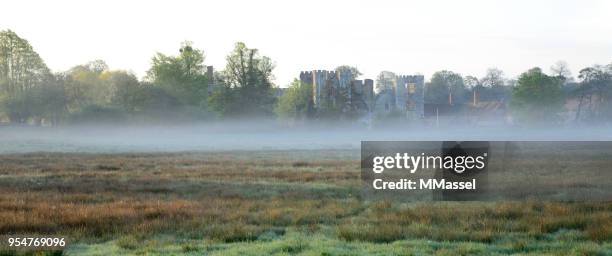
x: 180, y: 88
x: 175, y: 88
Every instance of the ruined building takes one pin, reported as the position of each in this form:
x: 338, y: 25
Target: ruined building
x: 406, y: 96
x: 410, y: 94
x: 339, y: 90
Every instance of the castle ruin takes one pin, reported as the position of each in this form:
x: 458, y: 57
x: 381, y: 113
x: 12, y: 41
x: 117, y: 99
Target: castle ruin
x: 329, y: 87
x: 405, y: 96
x: 410, y: 95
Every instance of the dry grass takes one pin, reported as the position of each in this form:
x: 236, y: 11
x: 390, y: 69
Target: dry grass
x: 227, y: 197
x: 245, y: 196
x: 482, y: 222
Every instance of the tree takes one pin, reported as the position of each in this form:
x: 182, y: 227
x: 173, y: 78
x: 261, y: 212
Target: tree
x: 40, y: 104
x: 21, y: 67
x: 296, y: 103
x: 22, y: 75
x: 88, y: 85
x: 537, y: 97
x: 493, y: 86
x: 225, y: 101
x: 561, y: 69
x: 51, y: 101
x: 385, y: 81
x: 493, y: 78
x: 19, y: 107
x: 184, y: 75
x: 248, y: 84
x: 352, y: 70
x: 127, y: 91
x: 444, y: 84
x: 97, y: 66
x: 595, y: 91
x: 157, y: 103
x: 471, y: 82
x: 595, y: 74
x: 336, y: 105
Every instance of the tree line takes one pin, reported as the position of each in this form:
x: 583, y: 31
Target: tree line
x: 176, y: 88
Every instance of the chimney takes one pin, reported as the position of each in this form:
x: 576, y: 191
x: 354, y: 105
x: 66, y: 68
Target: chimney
x: 210, y: 74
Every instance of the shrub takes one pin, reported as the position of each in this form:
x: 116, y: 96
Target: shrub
x: 98, y: 114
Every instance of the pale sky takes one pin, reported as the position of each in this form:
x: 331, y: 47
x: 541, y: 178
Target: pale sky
x: 405, y: 37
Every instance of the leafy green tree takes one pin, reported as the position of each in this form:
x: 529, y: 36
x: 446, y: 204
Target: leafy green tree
x: 41, y: 104
x: 224, y: 100
x: 21, y: 67
x: 128, y: 93
x: 444, y: 83
x: 19, y: 107
x: 247, y: 89
x: 97, y: 114
x: 537, y: 98
x: 88, y: 85
x: 594, y: 93
x: 296, y: 103
x: 51, y: 101
x: 157, y: 103
x: 338, y: 106
x: 21, y: 70
x: 184, y: 75
x: 95, y: 92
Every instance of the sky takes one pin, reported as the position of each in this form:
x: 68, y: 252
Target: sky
x: 405, y: 37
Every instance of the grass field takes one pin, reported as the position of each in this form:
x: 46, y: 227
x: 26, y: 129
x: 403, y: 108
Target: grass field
x: 266, y: 203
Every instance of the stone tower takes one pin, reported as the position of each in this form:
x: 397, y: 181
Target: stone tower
x: 410, y: 95
x: 326, y: 86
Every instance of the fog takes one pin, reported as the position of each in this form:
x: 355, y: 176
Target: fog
x: 262, y: 135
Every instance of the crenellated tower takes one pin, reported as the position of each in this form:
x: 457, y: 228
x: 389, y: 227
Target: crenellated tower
x: 410, y: 94
x: 328, y: 85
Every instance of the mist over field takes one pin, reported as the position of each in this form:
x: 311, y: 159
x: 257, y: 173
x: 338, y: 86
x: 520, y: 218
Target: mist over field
x: 249, y: 128
x: 185, y: 104
x: 259, y: 135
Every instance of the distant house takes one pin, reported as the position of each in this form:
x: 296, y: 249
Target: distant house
x: 433, y: 110
x: 489, y: 113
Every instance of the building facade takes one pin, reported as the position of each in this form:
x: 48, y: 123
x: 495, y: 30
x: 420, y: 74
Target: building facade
x: 339, y: 90
x: 405, y: 95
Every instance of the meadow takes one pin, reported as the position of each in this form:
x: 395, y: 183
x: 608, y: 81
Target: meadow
x: 284, y: 202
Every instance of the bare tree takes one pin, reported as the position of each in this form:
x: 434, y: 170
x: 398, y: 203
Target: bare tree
x: 561, y: 69
x: 493, y: 78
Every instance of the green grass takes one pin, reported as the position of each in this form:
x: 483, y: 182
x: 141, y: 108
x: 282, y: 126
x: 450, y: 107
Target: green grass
x: 299, y: 243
